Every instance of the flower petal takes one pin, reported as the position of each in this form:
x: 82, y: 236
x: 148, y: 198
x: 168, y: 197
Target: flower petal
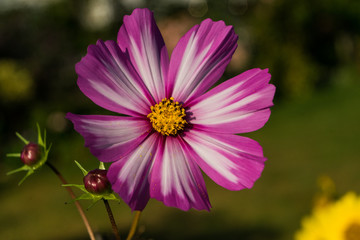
x: 238, y: 105
x: 141, y: 38
x: 232, y: 161
x: 176, y: 180
x: 199, y: 59
x: 108, y: 78
x: 110, y: 137
x: 129, y: 175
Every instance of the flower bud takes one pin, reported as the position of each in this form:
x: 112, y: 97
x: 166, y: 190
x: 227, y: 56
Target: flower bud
x: 96, y: 182
x: 30, y: 154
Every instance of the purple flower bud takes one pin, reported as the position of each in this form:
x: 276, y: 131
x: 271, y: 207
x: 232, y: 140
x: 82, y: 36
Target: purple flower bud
x: 96, y: 182
x: 30, y: 154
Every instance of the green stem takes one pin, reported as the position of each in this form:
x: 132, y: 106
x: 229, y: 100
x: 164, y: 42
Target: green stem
x: 112, y: 220
x: 134, y: 225
x: 77, y: 204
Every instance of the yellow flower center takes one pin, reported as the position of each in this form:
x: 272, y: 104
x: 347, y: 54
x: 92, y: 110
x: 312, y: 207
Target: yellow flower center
x: 353, y: 232
x: 167, y: 117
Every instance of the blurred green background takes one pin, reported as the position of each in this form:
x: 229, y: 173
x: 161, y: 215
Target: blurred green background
x: 312, y: 49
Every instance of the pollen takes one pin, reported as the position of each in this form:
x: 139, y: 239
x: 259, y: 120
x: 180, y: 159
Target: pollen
x: 167, y: 117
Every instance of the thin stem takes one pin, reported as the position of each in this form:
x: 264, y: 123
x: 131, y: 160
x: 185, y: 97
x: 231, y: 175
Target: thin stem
x: 77, y: 204
x: 134, y: 225
x: 112, y: 220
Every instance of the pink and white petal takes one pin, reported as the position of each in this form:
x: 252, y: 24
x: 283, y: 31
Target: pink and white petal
x: 129, y: 176
x: 140, y: 37
x: 110, y: 137
x: 241, y: 104
x: 233, y: 162
x: 199, y: 59
x: 176, y: 180
x: 108, y: 78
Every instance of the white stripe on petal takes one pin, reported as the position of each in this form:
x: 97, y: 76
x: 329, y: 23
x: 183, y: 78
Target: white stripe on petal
x: 238, y: 105
x: 112, y: 95
x: 148, y: 61
x: 110, y: 137
x: 176, y: 171
x: 107, y: 77
x: 188, y: 75
x: 141, y: 38
x: 232, y: 161
x: 130, y: 175
x: 176, y: 179
x: 199, y: 59
x: 135, y: 166
x: 214, y: 159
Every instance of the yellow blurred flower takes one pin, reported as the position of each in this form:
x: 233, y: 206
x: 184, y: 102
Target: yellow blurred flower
x: 327, y: 192
x: 336, y: 221
x: 15, y: 82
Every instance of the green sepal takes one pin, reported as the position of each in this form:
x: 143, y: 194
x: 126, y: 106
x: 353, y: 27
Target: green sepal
x: 22, y: 138
x: 17, y: 155
x: 81, y: 187
x: 93, y: 203
x: 81, y: 168
x: 84, y: 171
x: 86, y: 196
x: 26, y: 176
x: 23, y: 168
x: 111, y: 196
x: 41, y: 142
x: 89, y: 196
x: 101, y: 166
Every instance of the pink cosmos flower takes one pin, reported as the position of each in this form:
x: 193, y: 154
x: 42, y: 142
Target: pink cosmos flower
x: 174, y: 125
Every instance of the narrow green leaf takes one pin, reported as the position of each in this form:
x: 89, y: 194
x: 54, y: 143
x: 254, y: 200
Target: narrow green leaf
x: 102, y: 166
x: 81, y: 187
x: 95, y: 200
x: 70, y: 185
x: 81, y: 168
x: 40, y: 140
x: 22, y: 138
x: 13, y: 155
x: 72, y: 201
x: 48, y: 150
x: 86, y: 196
x: 111, y: 196
x: 26, y: 176
x: 44, y: 138
x: 23, y: 168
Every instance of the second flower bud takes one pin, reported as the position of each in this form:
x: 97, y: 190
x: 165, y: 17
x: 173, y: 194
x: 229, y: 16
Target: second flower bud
x: 96, y: 182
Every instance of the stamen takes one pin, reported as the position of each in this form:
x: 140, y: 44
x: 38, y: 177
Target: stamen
x: 167, y: 117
